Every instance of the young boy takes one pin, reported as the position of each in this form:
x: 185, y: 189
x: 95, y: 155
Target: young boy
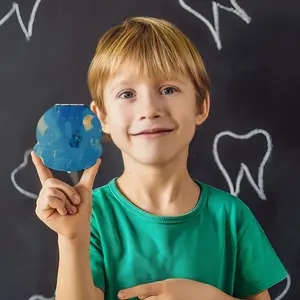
x: 154, y: 232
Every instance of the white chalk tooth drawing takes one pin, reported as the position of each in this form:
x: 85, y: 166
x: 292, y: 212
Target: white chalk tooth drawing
x: 259, y: 187
x: 287, y: 287
x: 235, y: 189
x: 215, y: 29
x: 16, y: 9
x: 40, y: 297
x: 14, y: 173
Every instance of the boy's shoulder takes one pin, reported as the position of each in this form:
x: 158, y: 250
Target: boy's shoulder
x: 219, y: 198
x: 101, y: 191
x: 104, y: 194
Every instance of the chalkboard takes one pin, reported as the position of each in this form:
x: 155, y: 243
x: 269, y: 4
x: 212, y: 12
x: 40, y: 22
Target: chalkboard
x: 249, y: 146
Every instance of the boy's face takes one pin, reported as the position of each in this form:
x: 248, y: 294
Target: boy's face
x: 134, y: 104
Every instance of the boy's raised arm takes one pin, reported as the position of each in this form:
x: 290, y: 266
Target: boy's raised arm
x: 74, y: 280
x: 67, y: 211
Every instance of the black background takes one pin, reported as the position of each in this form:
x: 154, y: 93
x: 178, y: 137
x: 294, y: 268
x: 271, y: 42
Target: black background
x: 255, y: 83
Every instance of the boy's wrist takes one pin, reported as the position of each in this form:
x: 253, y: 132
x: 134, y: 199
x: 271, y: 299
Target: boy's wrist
x: 220, y: 295
x: 76, y: 242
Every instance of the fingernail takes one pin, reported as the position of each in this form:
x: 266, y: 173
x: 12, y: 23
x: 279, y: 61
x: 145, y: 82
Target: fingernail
x: 76, y: 199
x: 121, y: 295
x: 73, y: 209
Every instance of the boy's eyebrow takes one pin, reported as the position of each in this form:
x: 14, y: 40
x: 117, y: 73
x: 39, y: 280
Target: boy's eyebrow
x: 117, y: 83
x: 178, y: 80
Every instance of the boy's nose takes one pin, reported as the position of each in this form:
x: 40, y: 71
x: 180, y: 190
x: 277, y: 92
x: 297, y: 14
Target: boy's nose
x: 151, y: 112
x: 151, y: 116
x: 151, y: 107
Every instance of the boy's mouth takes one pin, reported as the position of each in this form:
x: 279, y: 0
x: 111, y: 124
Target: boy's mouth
x: 152, y: 131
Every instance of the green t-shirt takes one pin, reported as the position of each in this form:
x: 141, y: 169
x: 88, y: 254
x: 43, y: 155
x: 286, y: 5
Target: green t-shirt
x: 219, y: 242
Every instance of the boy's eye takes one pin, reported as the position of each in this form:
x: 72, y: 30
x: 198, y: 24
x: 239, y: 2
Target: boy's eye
x: 166, y: 91
x: 126, y: 95
x: 169, y: 90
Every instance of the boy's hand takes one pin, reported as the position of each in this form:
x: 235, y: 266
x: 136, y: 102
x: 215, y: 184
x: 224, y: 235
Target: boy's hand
x: 174, y: 289
x: 57, y: 205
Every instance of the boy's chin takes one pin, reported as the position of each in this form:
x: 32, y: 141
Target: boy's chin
x: 155, y: 159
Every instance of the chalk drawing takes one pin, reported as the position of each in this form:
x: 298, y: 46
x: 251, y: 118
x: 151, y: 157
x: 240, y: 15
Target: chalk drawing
x: 40, y: 297
x: 235, y: 188
x: 14, y: 173
x: 285, y: 291
x: 259, y: 187
x: 215, y: 29
x: 16, y: 9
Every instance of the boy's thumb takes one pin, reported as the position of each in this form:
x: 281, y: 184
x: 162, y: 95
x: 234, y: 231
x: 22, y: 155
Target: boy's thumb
x: 89, y: 175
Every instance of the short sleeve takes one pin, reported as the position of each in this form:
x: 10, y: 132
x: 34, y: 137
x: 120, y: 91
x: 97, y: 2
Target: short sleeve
x: 96, y: 255
x: 258, y: 267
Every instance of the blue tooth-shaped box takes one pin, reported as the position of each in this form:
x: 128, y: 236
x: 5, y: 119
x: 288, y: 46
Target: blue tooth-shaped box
x: 68, y: 138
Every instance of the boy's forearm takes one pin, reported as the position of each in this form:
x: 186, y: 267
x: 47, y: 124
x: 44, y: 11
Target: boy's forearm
x: 74, y: 279
x: 224, y: 296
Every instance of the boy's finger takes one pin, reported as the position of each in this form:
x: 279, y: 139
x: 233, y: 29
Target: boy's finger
x: 54, y: 203
x: 141, y: 291
x: 43, y: 172
x: 89, y: 175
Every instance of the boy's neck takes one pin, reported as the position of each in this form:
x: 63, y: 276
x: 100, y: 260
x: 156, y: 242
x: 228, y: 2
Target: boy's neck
x: 166, y: 190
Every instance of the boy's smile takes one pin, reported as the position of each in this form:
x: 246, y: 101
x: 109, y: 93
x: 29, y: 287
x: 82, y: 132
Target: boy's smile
x: 153, y: 133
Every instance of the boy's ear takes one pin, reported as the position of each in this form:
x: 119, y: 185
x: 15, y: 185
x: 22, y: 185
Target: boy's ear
x: 203, y: 111
x: 101, y: 116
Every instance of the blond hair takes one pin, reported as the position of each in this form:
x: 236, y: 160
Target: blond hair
x: 158, y: 48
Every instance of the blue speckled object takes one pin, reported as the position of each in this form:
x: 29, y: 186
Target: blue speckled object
x: 68, y: 138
